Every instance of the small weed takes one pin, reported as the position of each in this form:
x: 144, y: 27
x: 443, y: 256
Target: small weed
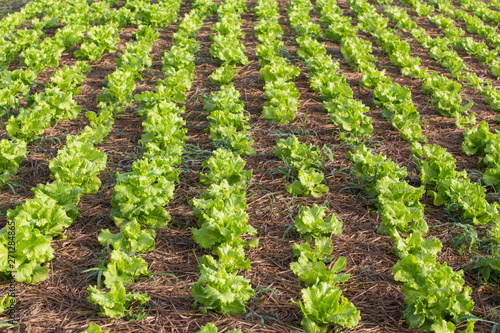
x: 286, y: 172
x: 452, y: 212
x: 40, y: 141
x: 263, y: 318
x: 102, y: 259
x: 366, y: 273
x: 165, y: 274
x: 196, y: 98
x: 6, y: 323
x: 373, y: 142
x: 13, y: 185
x: 357, y: 191
x: 138, y: 314
x: 292, y: 210
x: 192, y: 157
x: 264, y: 289
x: 466, y: 240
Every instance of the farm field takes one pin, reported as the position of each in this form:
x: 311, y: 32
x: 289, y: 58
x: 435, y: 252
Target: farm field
x: 186, y: 156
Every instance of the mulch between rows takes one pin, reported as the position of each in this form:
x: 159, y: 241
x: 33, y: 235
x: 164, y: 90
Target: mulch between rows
x: 59, y: 303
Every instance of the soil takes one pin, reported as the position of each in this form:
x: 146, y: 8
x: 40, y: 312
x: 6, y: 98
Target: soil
x: 59, y: 303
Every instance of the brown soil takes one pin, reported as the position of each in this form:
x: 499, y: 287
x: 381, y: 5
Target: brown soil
x: 59, y: 303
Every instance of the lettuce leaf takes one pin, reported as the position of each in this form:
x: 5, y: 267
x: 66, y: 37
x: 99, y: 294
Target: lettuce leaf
x: 324, y: 305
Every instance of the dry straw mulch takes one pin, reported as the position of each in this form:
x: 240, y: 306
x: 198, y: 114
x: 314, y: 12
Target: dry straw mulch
x: 59, y: 303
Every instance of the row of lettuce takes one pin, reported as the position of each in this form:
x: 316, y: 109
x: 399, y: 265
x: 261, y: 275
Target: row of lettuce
x: 280, y: 91
x: 494, y: 4
x: 441, y: 48
x: 477, y: 49
x: 220, y: 209
x: 474, y: 200
x: 75, y: 172
x: 42, y: 110
x: 322, y: 304
x: 481, y: 10
x: 222, y: 221
x: 208, y: 328
x: 446, y: 93
x: 56, y: 102
x: 154, y: 175
x: 140, y: 195
x: 471, y: 197
x: 398, y: 201
x: 468, y: 198
x: 473, y: 22
x: 491, y: 177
